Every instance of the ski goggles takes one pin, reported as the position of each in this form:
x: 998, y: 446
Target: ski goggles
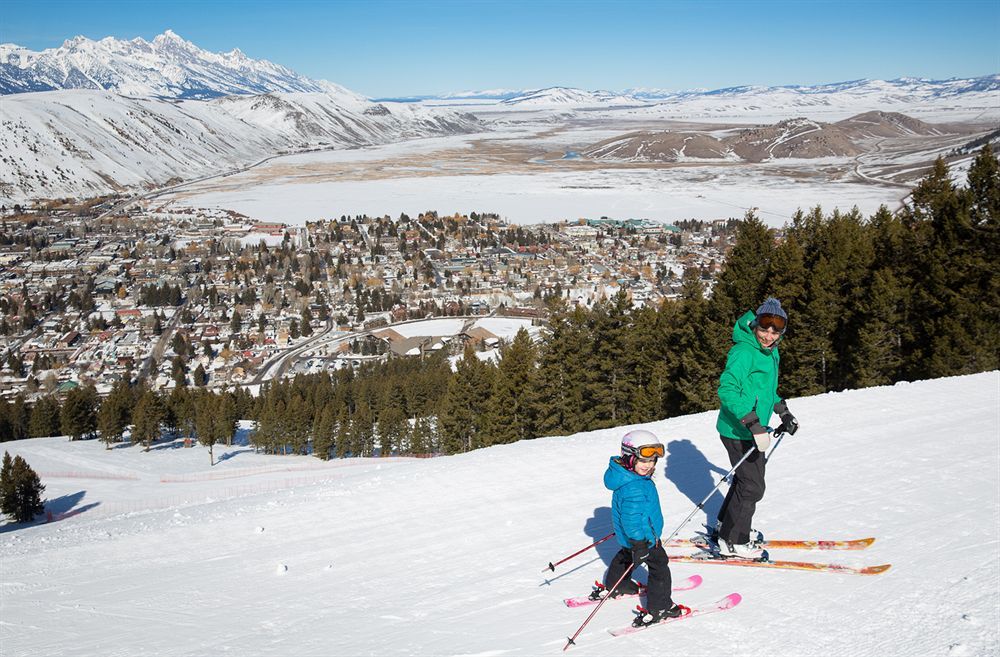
x: 773, y: 322
x: 648, y: 451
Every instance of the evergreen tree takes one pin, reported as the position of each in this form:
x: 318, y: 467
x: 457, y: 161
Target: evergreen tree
x: 464, y: 406
x: 876, y: 355
x: 18, y: 418
x: 200, y: 378
x: 697, y: 375
x: 114, y: 414
x: 306, y: 322
x: 743, y: 283
x: 392, y: 426
x: 984, y: 193
x: 343, y: 435
x: 20, y: 490
x: 178, y: 371
x: 206, y: 413
x: 324, y: 434
x: 361, y: 431
x: 44, y: 418
x: 610, y: 393
x: 564, y: 375
x: 226, y: 418
x: 954, y: 335
x: 182, y: 407
x: 146, y: 419
x: 510, y: 406
x: 422, y: 437
x: 79, y: 413
x: 7, y: 485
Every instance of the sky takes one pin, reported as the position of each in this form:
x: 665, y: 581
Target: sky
x: 386, y: 48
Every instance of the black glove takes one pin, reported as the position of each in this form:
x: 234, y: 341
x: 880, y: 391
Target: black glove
x: 640, y: 552
x: 752, y: 422
x: 789, y: 424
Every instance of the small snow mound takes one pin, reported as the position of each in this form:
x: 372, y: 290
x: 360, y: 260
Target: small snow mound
x: 959, y: 650
x: 259, y: 530
x: 281, y: 569
x: 329, y: 567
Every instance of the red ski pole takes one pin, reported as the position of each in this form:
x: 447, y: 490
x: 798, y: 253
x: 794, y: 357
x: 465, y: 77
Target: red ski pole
x: 570, y: 641
x: 552, y: 566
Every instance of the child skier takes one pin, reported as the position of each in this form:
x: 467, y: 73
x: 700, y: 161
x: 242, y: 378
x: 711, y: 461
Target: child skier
x: 638, y: 522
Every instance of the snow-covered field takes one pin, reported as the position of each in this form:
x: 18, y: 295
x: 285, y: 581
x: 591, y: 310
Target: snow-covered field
x: 692, y: 192
x: 159, y: 554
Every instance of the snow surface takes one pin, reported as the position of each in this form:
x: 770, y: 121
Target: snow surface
x: 157, y: 553
x: 671, y: 194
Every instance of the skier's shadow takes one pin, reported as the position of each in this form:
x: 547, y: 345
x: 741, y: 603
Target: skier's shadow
x: 691, y: 472
x: 599, y: 526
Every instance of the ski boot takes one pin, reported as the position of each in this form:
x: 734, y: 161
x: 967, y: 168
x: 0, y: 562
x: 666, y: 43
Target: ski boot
x: 645, y: 617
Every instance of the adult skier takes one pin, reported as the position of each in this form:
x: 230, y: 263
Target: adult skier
x: 748, y: 392
x: 638, y: 523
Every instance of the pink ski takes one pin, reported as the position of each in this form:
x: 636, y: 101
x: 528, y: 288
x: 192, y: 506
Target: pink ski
x: 724, y: 604
x: 692, y: 582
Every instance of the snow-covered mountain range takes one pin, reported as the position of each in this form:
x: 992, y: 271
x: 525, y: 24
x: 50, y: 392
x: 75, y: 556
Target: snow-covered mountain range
x: 167, y: 66
x: 563, y: 96
x: 92, y: 117
x: 84, y: 142
x: 874, y: 92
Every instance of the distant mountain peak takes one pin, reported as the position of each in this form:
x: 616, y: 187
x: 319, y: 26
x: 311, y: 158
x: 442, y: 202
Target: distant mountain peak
x: 168, y: 66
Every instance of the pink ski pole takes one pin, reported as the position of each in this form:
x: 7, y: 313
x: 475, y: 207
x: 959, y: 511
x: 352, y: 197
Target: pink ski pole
x: 570, y: 641
x: 552, y: 566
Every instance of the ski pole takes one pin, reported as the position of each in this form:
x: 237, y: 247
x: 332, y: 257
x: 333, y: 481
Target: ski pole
x: 701, y: 504
x: 621, y: 579
x: 552, y: 566
x: 780, y: 434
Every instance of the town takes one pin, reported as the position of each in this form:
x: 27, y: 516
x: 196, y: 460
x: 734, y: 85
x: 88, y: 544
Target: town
x: 95, y: 295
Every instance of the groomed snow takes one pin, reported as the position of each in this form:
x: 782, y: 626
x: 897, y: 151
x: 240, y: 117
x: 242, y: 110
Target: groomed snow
x: 158, y: 554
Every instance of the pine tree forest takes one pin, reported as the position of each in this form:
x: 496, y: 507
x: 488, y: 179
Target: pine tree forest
x: 871, y: 301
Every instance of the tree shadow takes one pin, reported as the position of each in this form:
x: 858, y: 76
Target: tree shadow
x: 173, y: 443
x: 60, y: 508
x: 691, y: 472
x: 231, y: 454
x: 64, y: 503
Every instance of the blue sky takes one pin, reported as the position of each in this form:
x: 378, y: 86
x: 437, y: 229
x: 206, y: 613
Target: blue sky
x: 399, y: 47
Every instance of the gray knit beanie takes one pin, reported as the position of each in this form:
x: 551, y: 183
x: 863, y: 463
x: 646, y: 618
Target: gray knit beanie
x: 771, y: 306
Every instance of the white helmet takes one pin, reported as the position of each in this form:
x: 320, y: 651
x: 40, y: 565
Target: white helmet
x: 640, y: 443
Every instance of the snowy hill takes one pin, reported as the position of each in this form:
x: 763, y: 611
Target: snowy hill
x: 565, y: 97
x: 83, y: 143
x: 971, y: 99
x: 791, y: 138
x: 156, y: 553
x: 167, y: 66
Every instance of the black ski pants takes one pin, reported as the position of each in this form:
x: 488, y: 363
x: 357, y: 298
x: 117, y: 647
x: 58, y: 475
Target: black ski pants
x: 746, y: 490
x: 657, y: 586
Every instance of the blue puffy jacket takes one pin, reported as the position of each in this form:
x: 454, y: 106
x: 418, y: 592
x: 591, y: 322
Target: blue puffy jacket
x: 635, y: 505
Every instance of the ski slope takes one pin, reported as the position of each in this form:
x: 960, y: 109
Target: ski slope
x: 158, y: 554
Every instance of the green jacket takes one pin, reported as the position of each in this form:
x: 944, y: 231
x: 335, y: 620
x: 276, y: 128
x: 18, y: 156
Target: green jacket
x: 748, y: 383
